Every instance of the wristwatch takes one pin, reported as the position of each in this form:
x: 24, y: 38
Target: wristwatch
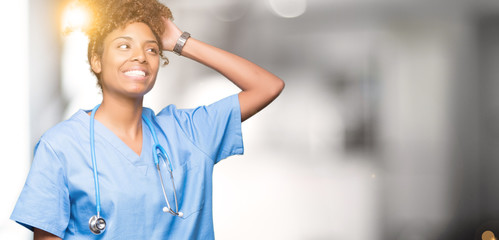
x: 181, y: 42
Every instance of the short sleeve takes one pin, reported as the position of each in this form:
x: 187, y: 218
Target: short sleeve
x: 44, y: 200
x: 215, y: 129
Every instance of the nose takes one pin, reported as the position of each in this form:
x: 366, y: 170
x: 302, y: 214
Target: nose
x: 139, y: 56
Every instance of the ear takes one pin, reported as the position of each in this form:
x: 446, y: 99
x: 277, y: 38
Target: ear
x: 95, y: 63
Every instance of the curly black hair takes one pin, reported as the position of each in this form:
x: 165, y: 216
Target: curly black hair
x: 108, y: 15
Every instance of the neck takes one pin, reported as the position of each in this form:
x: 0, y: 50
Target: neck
x: 122, y: 116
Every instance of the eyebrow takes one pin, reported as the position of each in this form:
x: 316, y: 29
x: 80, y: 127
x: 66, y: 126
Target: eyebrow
x: 131, y: 39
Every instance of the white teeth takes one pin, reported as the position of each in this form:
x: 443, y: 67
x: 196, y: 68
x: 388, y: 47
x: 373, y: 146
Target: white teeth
x: 135, y: 73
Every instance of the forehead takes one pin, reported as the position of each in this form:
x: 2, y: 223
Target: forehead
x: 136, y: 31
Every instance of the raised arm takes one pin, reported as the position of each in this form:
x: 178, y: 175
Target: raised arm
x: 259, y: 87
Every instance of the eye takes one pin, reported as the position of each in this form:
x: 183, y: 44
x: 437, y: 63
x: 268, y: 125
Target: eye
x: 153, y: 50
x: 123, y: 46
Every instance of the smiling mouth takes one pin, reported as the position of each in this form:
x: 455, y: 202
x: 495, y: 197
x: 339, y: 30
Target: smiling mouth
x: 135, y: 73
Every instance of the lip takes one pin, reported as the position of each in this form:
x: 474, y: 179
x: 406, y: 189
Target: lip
x: 136, y: 69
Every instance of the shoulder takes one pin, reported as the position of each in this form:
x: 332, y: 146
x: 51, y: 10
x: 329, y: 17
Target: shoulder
x: 67, y: 130
x: 225, y: 104
x: 171, y: 114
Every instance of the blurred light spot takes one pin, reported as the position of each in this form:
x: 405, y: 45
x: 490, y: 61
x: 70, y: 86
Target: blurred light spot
x: 373, y: 175
x: 288, y: 8
x: 488, y: 235
x: 74, y: 18
x: 229, y: 10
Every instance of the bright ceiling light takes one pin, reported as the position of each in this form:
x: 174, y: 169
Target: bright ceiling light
x: 288, y: 8
x: 74, y: 18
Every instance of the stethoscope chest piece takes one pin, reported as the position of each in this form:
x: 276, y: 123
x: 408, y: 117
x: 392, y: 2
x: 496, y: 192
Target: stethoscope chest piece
x: 97, y: 224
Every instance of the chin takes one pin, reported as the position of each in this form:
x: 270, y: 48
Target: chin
x: 139, y: 91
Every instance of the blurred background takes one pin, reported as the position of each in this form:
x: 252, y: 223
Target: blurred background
x: 388, y: 127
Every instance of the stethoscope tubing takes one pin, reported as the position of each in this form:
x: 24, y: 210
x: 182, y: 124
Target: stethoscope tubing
x: 94, y: 163
x: 157, y: 150
x: 157, y: 146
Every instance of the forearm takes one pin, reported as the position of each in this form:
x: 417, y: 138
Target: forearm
x: 42, y: 235
x: 259, y: 87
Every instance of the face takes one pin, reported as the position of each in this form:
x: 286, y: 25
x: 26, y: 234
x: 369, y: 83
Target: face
x: 129, y: 63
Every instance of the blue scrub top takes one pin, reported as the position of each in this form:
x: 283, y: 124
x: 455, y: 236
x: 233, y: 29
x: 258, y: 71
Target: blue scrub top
x: 59, y: 195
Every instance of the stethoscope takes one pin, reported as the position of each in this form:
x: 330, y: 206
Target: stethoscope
x: 96, y: 223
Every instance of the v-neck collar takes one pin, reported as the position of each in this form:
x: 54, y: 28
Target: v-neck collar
x: 112, y: 139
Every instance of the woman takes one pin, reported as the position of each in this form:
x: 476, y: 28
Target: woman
x: 132, y: 191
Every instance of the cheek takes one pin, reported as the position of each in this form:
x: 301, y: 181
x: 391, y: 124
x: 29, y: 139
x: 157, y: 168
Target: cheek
x: 154, y: 63
x: 112, y: 61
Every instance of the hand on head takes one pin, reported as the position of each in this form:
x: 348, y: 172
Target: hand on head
x: 170, y: 35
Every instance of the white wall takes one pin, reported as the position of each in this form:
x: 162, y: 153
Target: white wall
x: 14, y: 100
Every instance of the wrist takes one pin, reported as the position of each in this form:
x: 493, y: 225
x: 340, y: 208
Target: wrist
x: 181, y: 43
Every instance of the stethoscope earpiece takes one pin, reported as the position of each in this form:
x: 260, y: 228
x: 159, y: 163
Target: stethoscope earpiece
x: 97, y: 224
x: 166, y: 209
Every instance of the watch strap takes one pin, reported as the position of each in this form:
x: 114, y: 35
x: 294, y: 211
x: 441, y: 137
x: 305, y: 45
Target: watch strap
x: 181, y: 42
